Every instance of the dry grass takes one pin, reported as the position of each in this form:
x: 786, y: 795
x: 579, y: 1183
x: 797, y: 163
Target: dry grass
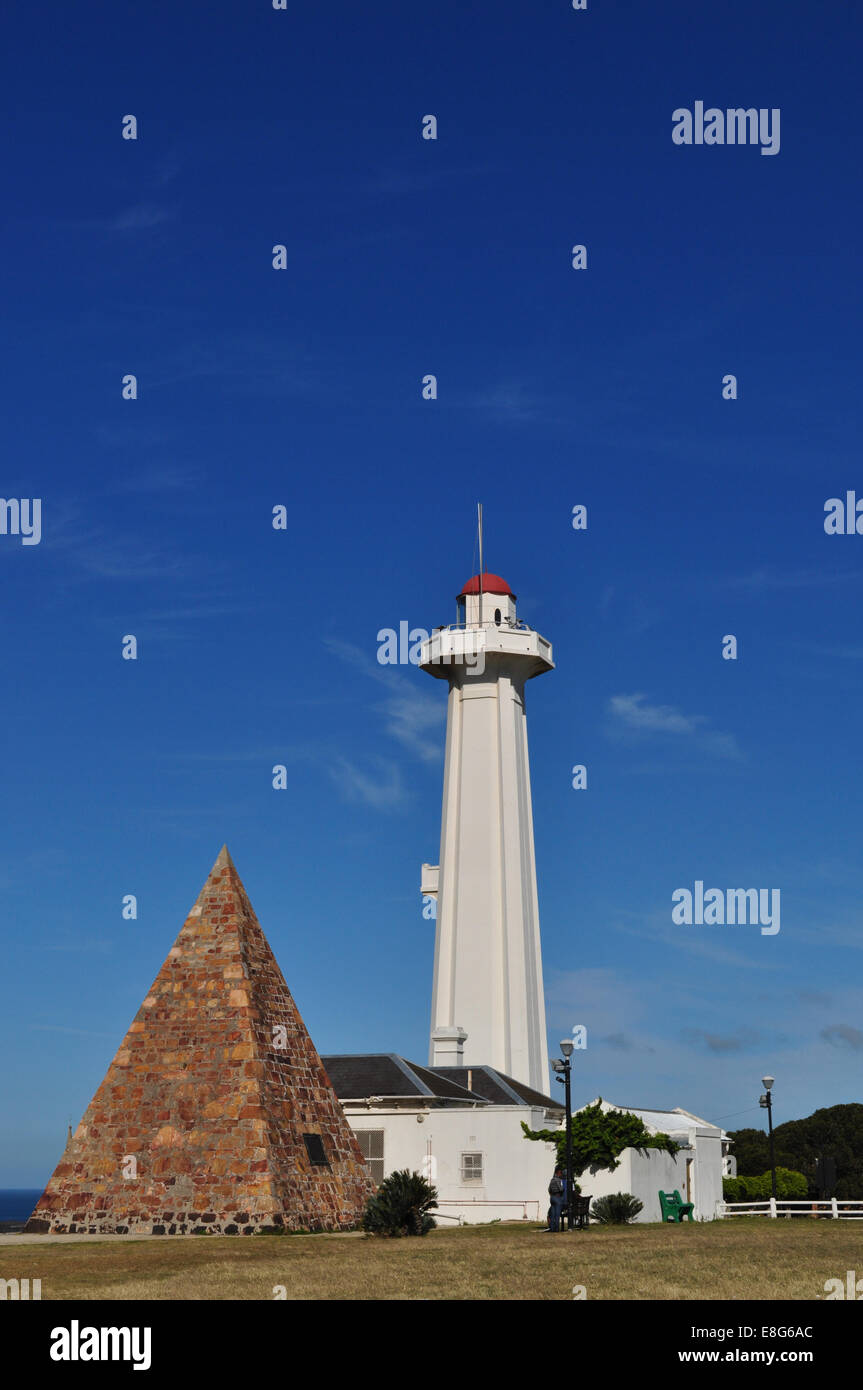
x: 737, y: 1259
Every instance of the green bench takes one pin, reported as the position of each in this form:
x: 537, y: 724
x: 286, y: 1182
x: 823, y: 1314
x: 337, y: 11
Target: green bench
x: 673, y: 1206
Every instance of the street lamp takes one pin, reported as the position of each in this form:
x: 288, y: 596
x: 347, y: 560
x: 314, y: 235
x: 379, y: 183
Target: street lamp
x: 766, y: 1103
x: 566, y: 1047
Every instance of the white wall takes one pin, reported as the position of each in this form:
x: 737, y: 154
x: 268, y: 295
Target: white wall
x: 708, y: 1173
x: 516, y: 1171
x: 645, y: 1174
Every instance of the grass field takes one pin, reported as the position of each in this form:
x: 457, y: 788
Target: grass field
x: 738, y: 1259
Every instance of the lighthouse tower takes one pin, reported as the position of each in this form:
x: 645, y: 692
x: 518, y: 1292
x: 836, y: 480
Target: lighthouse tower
x: 488, y: 1005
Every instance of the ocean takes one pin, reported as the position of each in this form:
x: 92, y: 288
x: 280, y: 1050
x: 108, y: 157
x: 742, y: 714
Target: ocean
x: 16, y: 1203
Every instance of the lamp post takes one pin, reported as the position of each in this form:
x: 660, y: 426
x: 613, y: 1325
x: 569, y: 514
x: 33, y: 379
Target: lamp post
x: 766, y: 1102
x: 565, y: 1066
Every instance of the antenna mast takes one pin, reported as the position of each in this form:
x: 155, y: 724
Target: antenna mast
x: 479, y: 525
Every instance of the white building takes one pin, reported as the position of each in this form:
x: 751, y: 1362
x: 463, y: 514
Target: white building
x: 459, y: 1120
x: 695, y: 1172
x: 459, y: 1126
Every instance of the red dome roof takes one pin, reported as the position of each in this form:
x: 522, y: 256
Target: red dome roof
x: 491, y: 584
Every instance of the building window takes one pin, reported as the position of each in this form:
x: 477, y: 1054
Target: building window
x: 471, y: 1167
x: 371, y: 1142
x: 315, y: 1150
x: 497, y: 616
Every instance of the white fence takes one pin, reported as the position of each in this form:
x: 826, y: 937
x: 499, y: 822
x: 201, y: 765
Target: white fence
x: 830, y: 1207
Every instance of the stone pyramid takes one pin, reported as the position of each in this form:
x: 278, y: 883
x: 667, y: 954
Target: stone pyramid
x: 216, y: 1113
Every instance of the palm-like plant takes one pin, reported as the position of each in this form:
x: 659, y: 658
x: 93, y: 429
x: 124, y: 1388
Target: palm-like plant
x: 618, y: 1209
x: 401, y: 1206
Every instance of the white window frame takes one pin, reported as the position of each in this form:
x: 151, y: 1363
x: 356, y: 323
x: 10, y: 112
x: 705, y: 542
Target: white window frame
x: 378, y: 1172
x: 472, y: 1177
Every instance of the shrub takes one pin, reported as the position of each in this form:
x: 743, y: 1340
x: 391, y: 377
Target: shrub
x: 790, y: 1186
x: 618, y: 1209
x: 401, y: 1206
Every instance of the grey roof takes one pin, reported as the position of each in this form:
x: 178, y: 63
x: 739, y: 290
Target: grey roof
x: 356, y: 1076
x: 497, y: 1088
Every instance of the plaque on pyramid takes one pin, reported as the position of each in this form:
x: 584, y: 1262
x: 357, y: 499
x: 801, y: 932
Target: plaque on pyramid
x: 216, y: 1113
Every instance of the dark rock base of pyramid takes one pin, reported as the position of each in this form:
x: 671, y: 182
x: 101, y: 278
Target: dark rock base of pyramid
x: 179, y: 1223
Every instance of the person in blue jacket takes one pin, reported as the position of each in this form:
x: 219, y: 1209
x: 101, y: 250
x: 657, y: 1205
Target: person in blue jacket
x: 557, y: 1194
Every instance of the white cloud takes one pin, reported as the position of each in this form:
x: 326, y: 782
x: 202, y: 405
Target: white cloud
x: 768, y: 578
x: 384, y: 792
x: 410, y: 714
x: 633, y: 714
x: 506, y: 402
x: 140, y: 217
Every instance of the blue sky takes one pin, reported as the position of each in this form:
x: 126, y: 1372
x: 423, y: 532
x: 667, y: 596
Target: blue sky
x: 556, y: 387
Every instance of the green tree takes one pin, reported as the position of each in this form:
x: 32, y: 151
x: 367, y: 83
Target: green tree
x: 834, y: 1132
x: 751, y: 1150
x: 600, y: 1136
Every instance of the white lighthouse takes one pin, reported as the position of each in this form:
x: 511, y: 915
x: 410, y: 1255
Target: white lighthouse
x: 488, y: 1006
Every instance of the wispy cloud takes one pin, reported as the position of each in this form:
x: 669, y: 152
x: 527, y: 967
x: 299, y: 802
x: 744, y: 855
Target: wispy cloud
x: 180, y: 622
x: 841, y: 651
x: 844, y: 1036
x: 140, y: 217
x: 384, y: 789
x: 606, y: 598
x: 156, y: 478
x: 815, y: 998
x: 742, y: 1041
x: 253, y: 363
x: 415, y: 180
x: 89, y: 945
x: 597, y: 997
x: 202, y: 610
x: 837, y: 934
x: 75, y: 1032
x: 508, y: 403
x: 768, y: 578
x: 357, y: 657
x: 376, y: 781
x: 634, y: 715
x: 170, y: 165
x: 694, y: 941
x: 410, y: 715
x: 100, y: 552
